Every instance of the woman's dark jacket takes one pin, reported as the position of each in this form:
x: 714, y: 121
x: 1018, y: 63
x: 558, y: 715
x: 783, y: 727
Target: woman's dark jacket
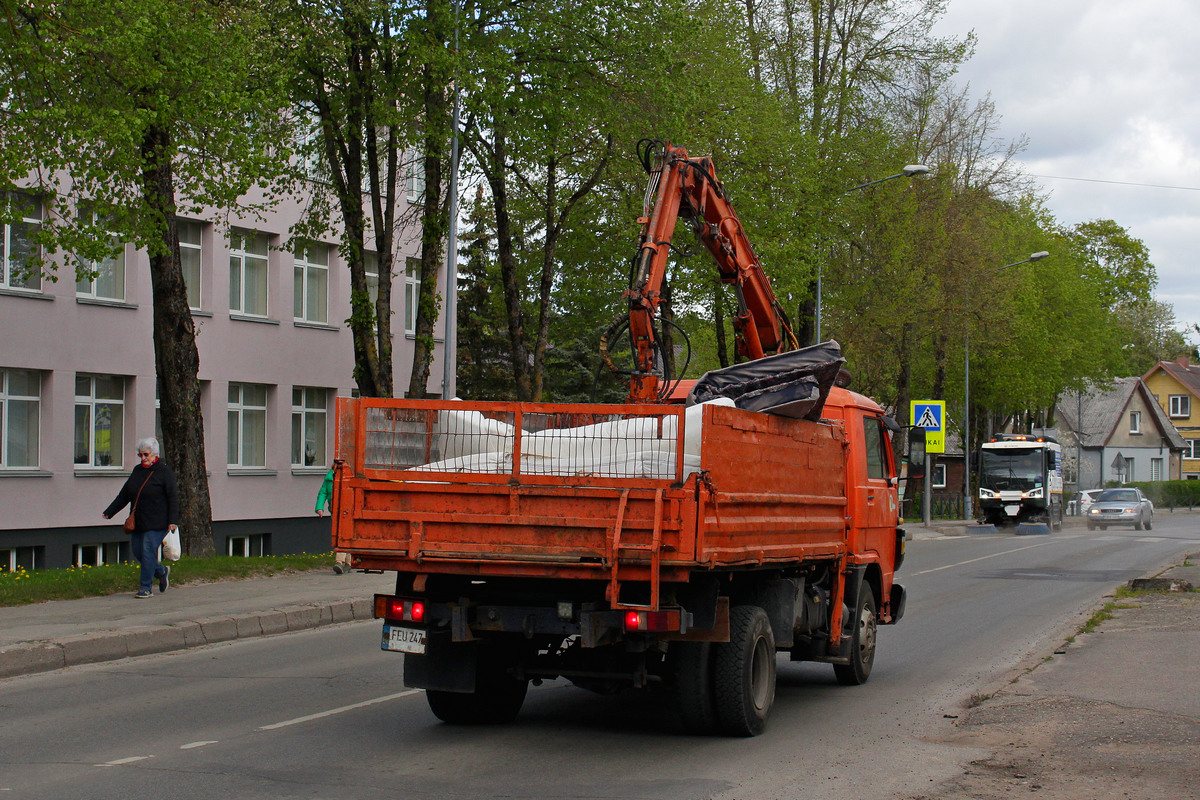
x: 158, y: 505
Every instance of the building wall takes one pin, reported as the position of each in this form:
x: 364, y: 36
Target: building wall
x: 57, y: 503
x: 1162, y: 385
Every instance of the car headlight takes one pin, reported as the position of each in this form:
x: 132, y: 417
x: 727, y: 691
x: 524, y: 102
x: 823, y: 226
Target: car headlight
x: 986, y: 493
x: 1032, y: 494
x: 1093, y: 510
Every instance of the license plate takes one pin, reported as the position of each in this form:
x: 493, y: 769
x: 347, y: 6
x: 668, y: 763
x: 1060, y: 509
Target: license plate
x: 404, y: 640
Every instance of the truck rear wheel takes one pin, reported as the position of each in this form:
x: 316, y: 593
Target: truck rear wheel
x: 694, y: 686
x: 862, y: 643
x: 744, y: 673
x: 497, y: 698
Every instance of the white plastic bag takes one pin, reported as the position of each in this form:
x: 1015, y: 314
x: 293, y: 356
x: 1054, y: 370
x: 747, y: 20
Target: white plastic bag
x: 171, y: 547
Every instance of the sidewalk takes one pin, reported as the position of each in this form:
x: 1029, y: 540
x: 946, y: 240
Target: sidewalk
x: 65, y: 633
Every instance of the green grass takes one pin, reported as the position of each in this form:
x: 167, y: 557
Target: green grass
x: 18, y: 587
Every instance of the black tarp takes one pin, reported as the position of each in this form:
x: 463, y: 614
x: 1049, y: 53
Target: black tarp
x: 792, y: 384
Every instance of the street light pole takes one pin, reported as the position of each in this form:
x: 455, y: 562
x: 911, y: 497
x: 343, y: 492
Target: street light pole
x: 910, y: 171
x: 968, y: 508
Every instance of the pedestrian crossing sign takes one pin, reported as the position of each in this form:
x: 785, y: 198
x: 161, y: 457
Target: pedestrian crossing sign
x: 931, y: 416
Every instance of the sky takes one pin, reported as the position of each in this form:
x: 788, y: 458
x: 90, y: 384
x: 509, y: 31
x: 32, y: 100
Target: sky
x: 1107, y: 92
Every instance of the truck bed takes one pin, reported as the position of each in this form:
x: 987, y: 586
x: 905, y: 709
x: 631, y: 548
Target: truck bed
x: 606, y: 493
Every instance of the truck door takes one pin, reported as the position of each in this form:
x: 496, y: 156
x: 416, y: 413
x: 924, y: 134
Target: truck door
x: 877, y: 492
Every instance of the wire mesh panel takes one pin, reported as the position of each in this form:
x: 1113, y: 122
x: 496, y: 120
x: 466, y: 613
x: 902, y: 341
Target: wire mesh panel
x: 512, y: 439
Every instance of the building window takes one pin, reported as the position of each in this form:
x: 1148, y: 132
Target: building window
x: 1135, y: 422
x: 310, y: 408
x: 94, y: 555
x: 248, y: 273
x: 939, y: 476
x: 1179, y: 405
x: 412, y: 293
x: 1156, y: 469
x: 414, y: 178
x: 1191, y: 448
x: 20, y: 416
x: 19, y: 253
x: 247, y: 436
x: 251, y: 545
x: 189, y: 259
x: 1129, y: 473
x: 26, y: 558
x: 99, y: 420
x: 103, y: 279
x: 310, y: 298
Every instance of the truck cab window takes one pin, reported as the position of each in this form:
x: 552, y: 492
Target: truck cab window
x: 873, y: 433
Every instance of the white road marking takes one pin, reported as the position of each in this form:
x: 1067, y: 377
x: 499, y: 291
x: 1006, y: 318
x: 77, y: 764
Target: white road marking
x: 981, y: 558
x: 191, y: 745
x: 121, y: 761
x: 333, y: 711
x: 1152, y: 539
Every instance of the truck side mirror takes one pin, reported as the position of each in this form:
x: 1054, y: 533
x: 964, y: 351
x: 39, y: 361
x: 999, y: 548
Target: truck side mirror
x: 916, y: 448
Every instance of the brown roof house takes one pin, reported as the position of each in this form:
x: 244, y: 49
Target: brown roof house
x: 1116, y: 432
x: 1176, y: 387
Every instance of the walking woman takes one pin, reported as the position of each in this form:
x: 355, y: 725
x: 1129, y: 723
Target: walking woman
x: 153, y: 498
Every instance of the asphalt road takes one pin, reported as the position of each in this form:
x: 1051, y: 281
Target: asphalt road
x: 323, y: 714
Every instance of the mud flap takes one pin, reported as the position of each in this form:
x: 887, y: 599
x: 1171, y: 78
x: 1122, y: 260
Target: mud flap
x: 446, y: 666
x: 854, y: 584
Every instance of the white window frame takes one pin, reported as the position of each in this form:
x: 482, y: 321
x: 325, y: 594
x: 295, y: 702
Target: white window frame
x: 935, y: 481
x: 414, y: 178
x: 310, y: 283
x: 241, y: 262
x: 1135, y: 422
x: 247, y: 545
x: 33, y: 281
x: 243, y: 412
x: 310, y: 424
x: 191, y: 262
x: 32, y: 410
x: 1179, y: 406
x: 412, y: 294
x: 1156, y: 469
x: 96, y: 287
x: 91, y: 403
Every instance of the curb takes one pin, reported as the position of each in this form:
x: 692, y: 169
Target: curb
x: 32, y: 657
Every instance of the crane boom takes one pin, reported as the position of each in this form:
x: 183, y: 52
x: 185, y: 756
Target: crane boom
x: 683, y: 187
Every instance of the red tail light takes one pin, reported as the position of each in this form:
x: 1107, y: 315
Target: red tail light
x: 652, y: 620
x: 398, y: 608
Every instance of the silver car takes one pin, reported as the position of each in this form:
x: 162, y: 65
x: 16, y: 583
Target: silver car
x: 1124, y: 506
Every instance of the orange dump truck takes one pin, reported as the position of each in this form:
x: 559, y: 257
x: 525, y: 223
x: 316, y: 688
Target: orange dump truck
x: 621, y: 546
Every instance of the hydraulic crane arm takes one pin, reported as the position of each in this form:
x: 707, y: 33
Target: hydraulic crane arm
x: 688, y: 188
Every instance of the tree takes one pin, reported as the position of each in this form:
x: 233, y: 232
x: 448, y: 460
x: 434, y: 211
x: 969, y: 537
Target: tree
x: 175, y: 108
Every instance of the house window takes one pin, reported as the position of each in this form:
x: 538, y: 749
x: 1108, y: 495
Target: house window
x: 94, y: 555
x: 103, y: 279
x: 371, y: 268
x: 939, y: 476
x: 189, y: 259
x: 310, y: 408
x: 412, y: 293
x: 1135, y: 422
x: 1129, y: 473
x: 1156, y: 469
x: 247, y: 434
x: 19, y: 253
x: 27, y: 558
x: 252, y: 545
x: 414, y: 178
x: 1191, y: 448
x: 310, y: 297
x: 99, y: 420
x: 1179, y: 405
x: 20, y: 413
x: 248, y: 273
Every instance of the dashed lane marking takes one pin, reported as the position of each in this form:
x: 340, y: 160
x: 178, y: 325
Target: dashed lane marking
x: 333, y: 711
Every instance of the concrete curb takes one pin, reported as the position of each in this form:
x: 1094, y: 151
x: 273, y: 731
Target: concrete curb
x: 44, y: 656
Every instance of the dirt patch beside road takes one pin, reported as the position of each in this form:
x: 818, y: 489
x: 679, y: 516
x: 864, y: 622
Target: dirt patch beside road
x: 1114, y: 715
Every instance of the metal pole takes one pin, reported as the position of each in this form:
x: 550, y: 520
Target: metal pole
x: 450, y: 342
x: 927, y: 495
x: 967, y: 506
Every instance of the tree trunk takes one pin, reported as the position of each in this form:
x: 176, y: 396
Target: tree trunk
x: 719, y: 324
x: 176, y: 359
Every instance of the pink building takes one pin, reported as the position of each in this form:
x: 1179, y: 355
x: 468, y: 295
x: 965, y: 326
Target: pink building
x: 77, y: 384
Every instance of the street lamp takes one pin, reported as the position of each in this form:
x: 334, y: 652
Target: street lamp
x: 967, y: 505
x: 910, y: 171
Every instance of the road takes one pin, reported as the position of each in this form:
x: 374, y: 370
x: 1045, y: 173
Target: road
x: 323, y: 714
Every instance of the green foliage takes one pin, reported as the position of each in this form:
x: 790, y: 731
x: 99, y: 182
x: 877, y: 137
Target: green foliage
x: 20, y: 587
x: 1167, y: 495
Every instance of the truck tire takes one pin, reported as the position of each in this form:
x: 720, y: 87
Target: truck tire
x: 497, y: 698
x: 744, y: 673
x: 862, y: 642
x: 694, y: 686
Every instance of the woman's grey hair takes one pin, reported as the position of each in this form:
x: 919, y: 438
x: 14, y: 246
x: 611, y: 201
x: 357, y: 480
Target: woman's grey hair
x: 149, y: 444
